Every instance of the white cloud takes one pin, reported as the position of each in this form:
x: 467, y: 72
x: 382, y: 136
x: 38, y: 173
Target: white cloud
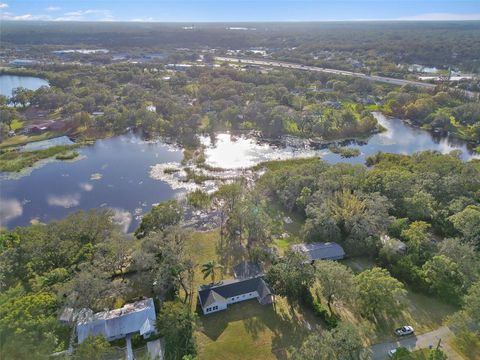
x: 149, y: 19
x: 3, y: 5
x: 123, y: 218
x: 65, y: 201
x: 9, y: 209
x: 86, y: 15
x: 441, y: 17
x: 53, y: 8
x: 86, y: 186
x: 24, y: 17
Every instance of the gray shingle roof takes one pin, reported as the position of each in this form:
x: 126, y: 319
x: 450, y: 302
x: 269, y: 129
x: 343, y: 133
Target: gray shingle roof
x: 231, y: 288
x: 212, y: 298
x: 321, y: 251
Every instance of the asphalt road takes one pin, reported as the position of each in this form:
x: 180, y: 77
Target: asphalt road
x: 416, y: 342
x: 376, y: 78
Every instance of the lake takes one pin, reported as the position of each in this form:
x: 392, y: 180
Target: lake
x: 10, y: 82
x: 234, y: 152
x: 113, y: 172
x: 127, y: 174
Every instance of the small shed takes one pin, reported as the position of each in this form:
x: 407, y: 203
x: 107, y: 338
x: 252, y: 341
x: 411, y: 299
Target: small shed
x: 247, y: 269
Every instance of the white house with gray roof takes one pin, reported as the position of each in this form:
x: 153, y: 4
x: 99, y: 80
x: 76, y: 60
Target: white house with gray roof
x: 320, y: 251
x: 138, y: 317
x: 217, y: 297
x: 135, y: 318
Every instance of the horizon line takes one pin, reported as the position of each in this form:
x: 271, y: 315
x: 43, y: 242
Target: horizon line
x: 234, y: 22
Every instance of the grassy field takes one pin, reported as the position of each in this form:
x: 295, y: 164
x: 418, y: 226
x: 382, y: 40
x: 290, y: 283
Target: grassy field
x: 467, y: 344
x: 22, y: 139
x: 252, y: 331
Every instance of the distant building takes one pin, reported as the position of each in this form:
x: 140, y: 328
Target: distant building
x: 217, y: 297
x: 320, y: 251
x: 181, y: 67
x: 36, y: 128
x: 247, y: 269
x: 23, y: 62
x: 333, y: 104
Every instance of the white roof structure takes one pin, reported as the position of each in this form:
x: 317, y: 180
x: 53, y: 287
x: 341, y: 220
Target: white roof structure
x: 138, y: 317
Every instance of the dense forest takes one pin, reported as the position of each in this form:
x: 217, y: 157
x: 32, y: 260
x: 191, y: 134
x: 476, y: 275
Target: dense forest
x: 97, y: 101
x: 435, y: 42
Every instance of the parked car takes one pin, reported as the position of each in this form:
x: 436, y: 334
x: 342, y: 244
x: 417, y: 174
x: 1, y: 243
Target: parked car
x: 404, y: 330
x: 391, y: 352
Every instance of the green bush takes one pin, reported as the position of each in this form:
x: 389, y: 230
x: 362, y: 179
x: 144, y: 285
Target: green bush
x: 199, y: 199
x: 330, y: 320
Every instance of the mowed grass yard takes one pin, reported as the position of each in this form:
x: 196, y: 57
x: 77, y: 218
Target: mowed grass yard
x: 246, y: 330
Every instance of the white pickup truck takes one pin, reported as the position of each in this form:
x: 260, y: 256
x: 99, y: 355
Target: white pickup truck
x: 404, y: 330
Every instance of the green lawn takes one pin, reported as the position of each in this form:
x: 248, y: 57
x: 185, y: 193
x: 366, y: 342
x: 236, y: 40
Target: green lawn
x: 24, y: 139
x: 467, y: 344
x: 249, y: 330
x: 16, y: 124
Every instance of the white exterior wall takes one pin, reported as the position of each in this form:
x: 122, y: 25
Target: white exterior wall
x: 220, y: 307
x: 232, y: 300
x: 242, y: 297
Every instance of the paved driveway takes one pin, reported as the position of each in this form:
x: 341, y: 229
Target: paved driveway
x: 416, y: 342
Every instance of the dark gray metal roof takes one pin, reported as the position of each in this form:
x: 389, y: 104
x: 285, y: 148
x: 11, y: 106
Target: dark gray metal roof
x: 320, y: 251
x: 247, y: 269
x: 231, y: 288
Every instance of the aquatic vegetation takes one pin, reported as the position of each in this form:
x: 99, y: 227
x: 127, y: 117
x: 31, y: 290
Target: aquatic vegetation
x: 344, y: 152
x: 14, y: 161
x: 67, y: 155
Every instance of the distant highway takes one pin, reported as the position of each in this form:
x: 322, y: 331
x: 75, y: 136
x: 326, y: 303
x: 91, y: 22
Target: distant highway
x: 383, y: 79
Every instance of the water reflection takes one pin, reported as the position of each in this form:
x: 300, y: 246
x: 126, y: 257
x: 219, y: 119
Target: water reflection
x: 9, y: 209
x: 240, y: 151
x: 112, y: 173
x: 10, y: 82
x: 65, y: 201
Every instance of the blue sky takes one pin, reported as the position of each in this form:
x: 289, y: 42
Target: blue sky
x: 239, y: 10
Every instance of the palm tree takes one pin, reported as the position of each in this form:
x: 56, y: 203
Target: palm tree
x: 210, y: 268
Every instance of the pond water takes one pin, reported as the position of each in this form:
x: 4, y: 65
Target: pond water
x: 127, y: 173
x: 112, y: 172
x: 234, y: 152
x: 10, y: 82
x: 45, y: 144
